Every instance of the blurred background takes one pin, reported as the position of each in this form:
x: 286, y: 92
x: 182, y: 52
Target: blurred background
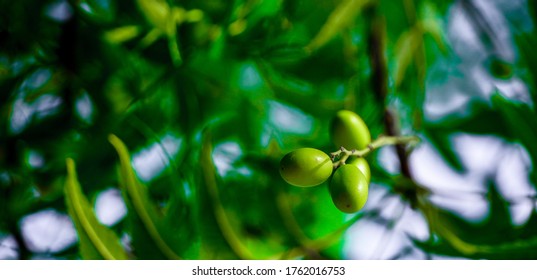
x: 205, y: 97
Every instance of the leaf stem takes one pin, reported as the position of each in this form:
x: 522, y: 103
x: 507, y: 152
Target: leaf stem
x: 340, y: 157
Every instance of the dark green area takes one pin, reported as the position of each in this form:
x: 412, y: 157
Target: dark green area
x: 221, y: 90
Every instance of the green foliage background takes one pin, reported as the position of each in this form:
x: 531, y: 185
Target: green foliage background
x: 222, y: 90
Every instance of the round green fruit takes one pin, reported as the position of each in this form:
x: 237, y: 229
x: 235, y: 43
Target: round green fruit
x: 362, y: 165
x: 350, y: 131
x: 349, y: 189
x: 306, y: 167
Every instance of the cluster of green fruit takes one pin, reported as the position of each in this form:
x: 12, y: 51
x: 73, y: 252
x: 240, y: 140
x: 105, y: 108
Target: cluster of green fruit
x: 349, y: 185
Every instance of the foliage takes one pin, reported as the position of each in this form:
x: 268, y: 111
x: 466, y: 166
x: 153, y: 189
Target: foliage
x: 187, y: 107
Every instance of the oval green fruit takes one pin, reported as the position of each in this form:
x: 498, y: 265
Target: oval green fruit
x: 306, y: 167
x: 349, y: 189
x: 350, y: 131
x: 362, y: 165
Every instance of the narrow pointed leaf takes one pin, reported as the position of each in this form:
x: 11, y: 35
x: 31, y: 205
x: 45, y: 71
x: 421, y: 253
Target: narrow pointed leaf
x: 217, y: 231
x: 95, y: 240
x: 339, y: 19
x: 138, y: 200
x: 405, y: 49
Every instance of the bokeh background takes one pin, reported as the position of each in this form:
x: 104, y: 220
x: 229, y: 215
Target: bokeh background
x: 202, y: 99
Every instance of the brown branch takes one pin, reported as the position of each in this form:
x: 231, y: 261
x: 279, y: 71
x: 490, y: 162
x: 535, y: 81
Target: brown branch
x: 379, y: 85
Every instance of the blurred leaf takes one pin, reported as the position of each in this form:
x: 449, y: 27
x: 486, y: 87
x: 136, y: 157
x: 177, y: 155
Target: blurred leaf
x: 248, y: 16
x: 95, y: 240
x: 342, y: 16
x: 440, y: 140
x: 405, y: 50
x: 218, y: 235
x: 481, y: 120
x: 495, y: 238
x: 500, y: 68
x: 526, y: 45
x: 122, y: 34
x: 101, y: 11
x: 139, y: 203
x: 157, y: 12
x: 284, y: 54
x: 165, y: 19
x: 522, y: 122
x: 431, y: 23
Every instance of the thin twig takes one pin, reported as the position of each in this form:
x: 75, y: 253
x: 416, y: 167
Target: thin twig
x: 379, y: 84
x: 343, y: 154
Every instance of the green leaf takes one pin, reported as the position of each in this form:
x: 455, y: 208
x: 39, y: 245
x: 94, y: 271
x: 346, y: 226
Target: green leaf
x: 157, y: 12
x: 522, y: 122
x: 342, y: 16
x: 405, y: 50
x: 137, y: 198
x: 526, y: 49
x: 122, y: 34
x: 251, y: 13
x: 440, y: 139
x: 219, y: 239
x: 98, y: 10
x: 95, y: 240
x: 518, y: 249
x: 483, y: 120
x: 495, y: 238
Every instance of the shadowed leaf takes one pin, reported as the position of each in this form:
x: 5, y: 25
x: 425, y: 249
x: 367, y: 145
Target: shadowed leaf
x: 138, y: 201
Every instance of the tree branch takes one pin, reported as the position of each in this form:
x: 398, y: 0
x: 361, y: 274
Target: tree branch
x: 379, y: 85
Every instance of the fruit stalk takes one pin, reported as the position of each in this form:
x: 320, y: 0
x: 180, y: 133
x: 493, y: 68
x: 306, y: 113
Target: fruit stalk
x: 343, y: 154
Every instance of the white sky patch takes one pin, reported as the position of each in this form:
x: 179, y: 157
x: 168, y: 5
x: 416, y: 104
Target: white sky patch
x: 151, y: 161
x: 110, y: 207
x: 20, y: 117
x: 521, y: 211
x: 59, y: 11
x: 86, y: 8
x: 224, y: 156
x: 8, y: 248
x: 84, y: 108
x: 451, y: 190
x: 37, y: 79
x: 414, y: 224
x: 370, y: 240
x: 365, y: 238
x: 480, y: 154
x: 513, y: 173
x: 35, y: 159
x: 445, y: 96
x: 508, y: 163
x: 388, y: 159
x: 289, y: 119
x: 514, y: 185
x: 514, y: 89
x: 392, y: 207
x: 483, y: 156
x: 454, y: 81
x: 470, y: 208
x: 48, y: 231
x: 23, y: 112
